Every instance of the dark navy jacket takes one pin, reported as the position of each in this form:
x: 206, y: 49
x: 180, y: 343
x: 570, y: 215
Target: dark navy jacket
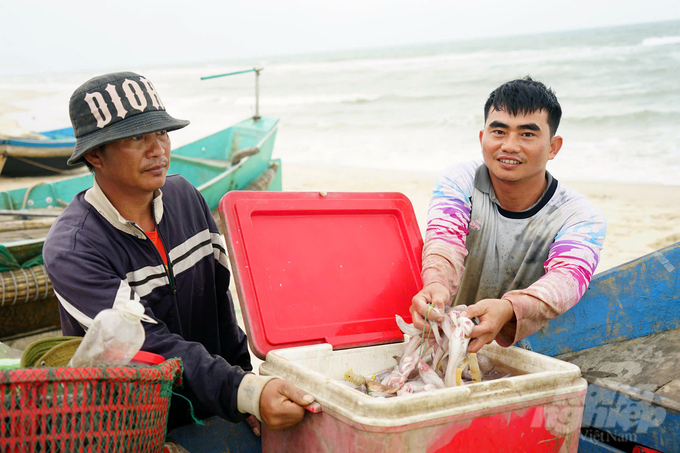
x: 96, y: 259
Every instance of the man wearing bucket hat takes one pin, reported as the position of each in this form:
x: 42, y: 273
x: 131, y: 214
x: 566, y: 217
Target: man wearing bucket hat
x: 504, y: 237
x: 137, y: 234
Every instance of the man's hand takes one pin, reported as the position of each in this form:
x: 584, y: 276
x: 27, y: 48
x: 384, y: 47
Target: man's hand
x: 281, y: 404
x: 493, y: 314
x: 434, y: 293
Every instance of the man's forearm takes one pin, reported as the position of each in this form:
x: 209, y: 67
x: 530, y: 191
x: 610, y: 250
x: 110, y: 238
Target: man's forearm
x: 444, y: 264
x: 548, y: 298
x: 569, y: 269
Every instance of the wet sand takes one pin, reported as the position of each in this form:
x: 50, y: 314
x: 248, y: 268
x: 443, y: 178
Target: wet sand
x: 641, y: 218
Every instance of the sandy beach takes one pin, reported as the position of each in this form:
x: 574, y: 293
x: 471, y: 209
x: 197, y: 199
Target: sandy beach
x: 641, y: 218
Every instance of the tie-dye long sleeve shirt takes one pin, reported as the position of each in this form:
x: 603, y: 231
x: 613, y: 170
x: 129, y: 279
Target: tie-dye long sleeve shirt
x: 541, y: 259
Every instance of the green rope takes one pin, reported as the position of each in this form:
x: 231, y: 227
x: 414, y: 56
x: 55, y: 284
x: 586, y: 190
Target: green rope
x: 191, y: 409
x: 423, y: 339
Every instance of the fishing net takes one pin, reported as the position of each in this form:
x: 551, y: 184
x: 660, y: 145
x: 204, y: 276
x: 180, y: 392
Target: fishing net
x: 86, y: 409
x: 8, y: 261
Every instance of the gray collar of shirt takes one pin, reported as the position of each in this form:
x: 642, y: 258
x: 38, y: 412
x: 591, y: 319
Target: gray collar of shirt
x: 483, y: 184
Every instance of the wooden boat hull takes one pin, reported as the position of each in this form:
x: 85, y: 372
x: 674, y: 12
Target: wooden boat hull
x: 624, y: 334
x: 44, y: 156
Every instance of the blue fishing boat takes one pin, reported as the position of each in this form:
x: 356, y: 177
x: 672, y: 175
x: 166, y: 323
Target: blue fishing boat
x: 41, y: 154
x: 624, y: 334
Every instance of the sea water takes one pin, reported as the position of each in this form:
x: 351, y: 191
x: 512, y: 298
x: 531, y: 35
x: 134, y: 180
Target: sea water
x: 420, y: 108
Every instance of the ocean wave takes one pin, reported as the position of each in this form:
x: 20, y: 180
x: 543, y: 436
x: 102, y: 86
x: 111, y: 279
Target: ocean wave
x: 456, y: 64
x: 446, y: 123
x: 399, y: 98
x: 359, y: 63
x: 316, y: 99
x: 640, y: 116
x: 661, y: 40
x: 342, y: 98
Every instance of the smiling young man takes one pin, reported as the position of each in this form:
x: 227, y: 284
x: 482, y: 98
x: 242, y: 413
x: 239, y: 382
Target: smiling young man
x: 504, y: 237
x: 140, y: 234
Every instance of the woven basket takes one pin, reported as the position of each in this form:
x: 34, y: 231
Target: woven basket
x: 86, y: 409
x: 23, y: 318
x: 23, y: 285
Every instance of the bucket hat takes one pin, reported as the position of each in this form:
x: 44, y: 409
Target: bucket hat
x: 113, y: 107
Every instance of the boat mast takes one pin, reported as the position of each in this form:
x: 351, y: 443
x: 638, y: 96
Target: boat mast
x: 257, y: 71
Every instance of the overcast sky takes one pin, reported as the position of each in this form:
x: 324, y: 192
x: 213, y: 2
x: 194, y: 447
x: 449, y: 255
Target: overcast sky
x: 72, y: 35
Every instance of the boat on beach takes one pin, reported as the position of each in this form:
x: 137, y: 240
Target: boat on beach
x: 236, y: 158
x: 624, y: 334
x: 39, y: 154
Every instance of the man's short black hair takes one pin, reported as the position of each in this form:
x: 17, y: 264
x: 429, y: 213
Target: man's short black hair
x: 524, y: 96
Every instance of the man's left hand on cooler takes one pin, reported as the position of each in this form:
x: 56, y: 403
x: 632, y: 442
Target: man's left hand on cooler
x: 281, y: 404
x: 493, y: 314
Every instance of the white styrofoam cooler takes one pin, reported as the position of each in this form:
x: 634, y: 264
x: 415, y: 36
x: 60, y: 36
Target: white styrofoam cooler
x: 539, y: 411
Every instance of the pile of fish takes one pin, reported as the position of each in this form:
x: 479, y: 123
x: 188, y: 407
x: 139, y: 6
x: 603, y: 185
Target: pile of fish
x: 434, y: 360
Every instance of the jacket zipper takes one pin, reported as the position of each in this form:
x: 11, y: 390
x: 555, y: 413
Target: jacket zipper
x: 168, y: 271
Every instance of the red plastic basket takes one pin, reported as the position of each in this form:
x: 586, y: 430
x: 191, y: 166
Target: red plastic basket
x: 86, y: 409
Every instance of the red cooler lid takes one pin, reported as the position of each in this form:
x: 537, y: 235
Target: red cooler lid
x: 312, y: 268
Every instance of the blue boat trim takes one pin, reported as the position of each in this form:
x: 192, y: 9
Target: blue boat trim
x: 635, y: 299
x: 57, y: 138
